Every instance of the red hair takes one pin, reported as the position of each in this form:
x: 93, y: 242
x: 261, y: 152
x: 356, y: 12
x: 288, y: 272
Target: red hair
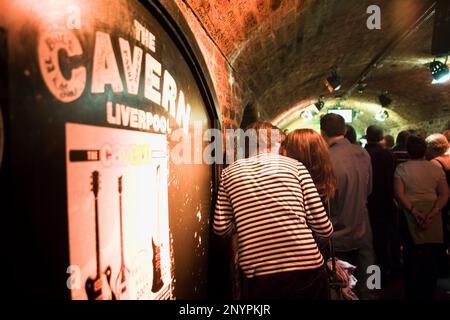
x: 308, y: 147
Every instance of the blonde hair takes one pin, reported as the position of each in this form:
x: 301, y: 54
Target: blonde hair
x: 437, y: 145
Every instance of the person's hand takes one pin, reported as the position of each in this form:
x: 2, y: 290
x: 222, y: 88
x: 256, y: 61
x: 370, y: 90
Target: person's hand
x: 430, y: 217
x: 427, y: 222
x: 340, y: 272
x: 421, y: 221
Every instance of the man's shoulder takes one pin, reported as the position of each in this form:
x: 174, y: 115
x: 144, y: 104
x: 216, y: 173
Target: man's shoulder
x: 402, y: 165
x: 235, y: 165
x: 279, y: 157
x: 436, y: 165
x: 349, y: 148
x: 360, y: 151
x: 380, y: 152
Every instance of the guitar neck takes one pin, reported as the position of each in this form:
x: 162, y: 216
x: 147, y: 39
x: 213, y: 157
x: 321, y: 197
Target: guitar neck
x: 122, y: 261
x: 97, y: 239
x: 158, y: 202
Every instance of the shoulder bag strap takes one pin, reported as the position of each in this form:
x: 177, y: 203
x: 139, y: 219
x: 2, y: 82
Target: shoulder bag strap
x: 442, y: 165
x: 330, y: 240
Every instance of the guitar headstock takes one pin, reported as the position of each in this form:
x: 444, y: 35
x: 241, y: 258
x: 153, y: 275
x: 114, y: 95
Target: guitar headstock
x: 95, y: 182
x: 120, y: 184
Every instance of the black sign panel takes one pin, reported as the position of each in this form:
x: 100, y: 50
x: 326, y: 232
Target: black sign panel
x: 100, y: 97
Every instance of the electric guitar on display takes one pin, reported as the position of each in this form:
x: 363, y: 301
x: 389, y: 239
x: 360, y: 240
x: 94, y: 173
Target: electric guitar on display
x: 122, y: 289
x: 98, y: 288
x: 156, y: 244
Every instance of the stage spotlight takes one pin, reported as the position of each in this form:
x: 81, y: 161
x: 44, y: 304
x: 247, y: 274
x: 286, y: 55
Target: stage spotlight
x: 319, y: 104
x: 384, y: 99
x: 439, y: 71
x: 381, y: 115
x: 333, y: 83
x: 362, y: 87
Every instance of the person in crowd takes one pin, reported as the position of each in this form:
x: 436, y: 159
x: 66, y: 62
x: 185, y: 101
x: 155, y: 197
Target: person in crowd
x: 421, y: 189
x: 388, y: 141
x: 272, y: 203
x: 400, y: 142
x: 308, y: 147
x: 282, y: 134
x: 446, y: 133
x: 418, y: 132
x: 350, y: 134
x: 399, y: 150
x: 353, y: 171
x: 437, y: 152
x: 381, y: 200
x: 401, y: 155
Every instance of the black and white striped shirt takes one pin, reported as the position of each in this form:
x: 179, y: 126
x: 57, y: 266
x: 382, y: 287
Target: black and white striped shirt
x: 273, y: 203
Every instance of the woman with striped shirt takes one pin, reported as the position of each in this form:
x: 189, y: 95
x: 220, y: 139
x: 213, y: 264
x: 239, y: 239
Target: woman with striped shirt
x: 272, y: 203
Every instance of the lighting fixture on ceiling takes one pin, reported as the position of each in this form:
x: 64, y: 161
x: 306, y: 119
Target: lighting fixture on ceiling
x: 306, y: 115
x: 384, y: 99
x: 381, y: 115
x: 439, y: 71
x: 319, y: 104
x: 361, y: 87
x: 333, y: 83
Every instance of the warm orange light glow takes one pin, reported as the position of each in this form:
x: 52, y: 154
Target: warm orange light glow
x: 283, y: 116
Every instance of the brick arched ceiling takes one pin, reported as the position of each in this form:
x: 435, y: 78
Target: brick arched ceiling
x: 283, y: 49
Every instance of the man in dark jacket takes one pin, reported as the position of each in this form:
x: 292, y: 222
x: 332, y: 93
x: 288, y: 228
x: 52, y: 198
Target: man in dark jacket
x: 380, y: 201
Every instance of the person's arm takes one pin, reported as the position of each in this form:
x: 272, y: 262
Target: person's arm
x: 316, y: 216
x: 223, y: 213
x: 441, y: 201
x: 399, y: 192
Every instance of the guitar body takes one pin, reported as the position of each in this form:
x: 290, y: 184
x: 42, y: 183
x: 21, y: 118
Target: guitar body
x: 100, y: 288
x: 122, y: 284
x: 157, y: 276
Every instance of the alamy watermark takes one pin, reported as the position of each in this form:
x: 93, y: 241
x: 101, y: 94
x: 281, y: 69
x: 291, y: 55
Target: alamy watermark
x: 374, y: 20
x: 373, y: 281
